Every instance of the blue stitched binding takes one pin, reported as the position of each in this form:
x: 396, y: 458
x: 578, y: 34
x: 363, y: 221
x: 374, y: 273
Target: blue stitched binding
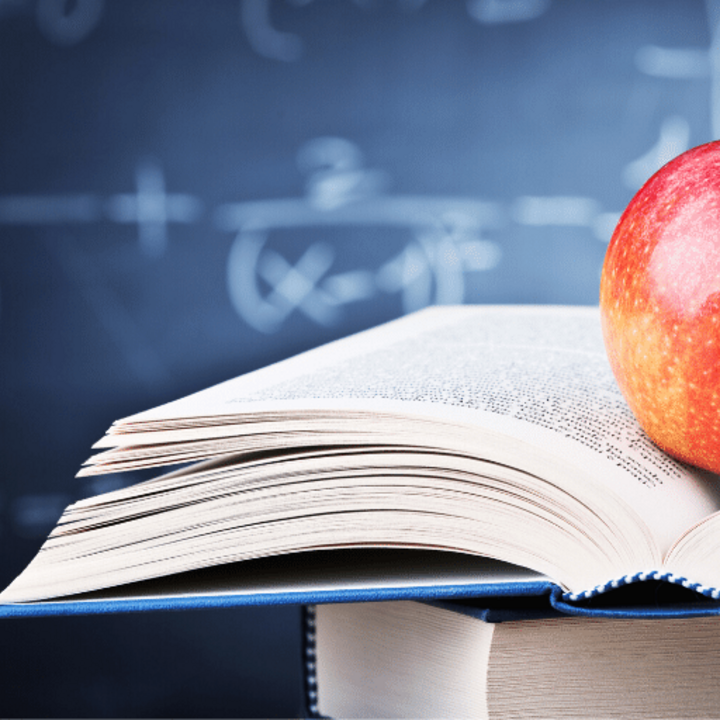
x: 710, y: 592
x: 309, y: 661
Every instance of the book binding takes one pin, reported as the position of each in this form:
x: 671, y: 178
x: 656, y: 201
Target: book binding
x: 645, y: 599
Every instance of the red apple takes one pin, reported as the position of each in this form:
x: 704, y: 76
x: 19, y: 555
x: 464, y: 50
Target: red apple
x: 660, y: 306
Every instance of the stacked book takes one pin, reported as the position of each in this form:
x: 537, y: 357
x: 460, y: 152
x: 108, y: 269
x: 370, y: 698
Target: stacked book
x: 462, y: 501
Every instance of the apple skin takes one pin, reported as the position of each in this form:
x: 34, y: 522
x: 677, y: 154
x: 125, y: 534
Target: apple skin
x: 660, y: 306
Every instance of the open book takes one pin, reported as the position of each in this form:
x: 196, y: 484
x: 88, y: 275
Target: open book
x: 479, y: 432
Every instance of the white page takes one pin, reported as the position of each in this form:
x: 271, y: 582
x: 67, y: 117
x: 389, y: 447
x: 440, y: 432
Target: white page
x: 539, y: 374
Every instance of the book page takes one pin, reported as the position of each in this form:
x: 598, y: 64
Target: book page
x: 400, y: 660
x: 539, y: 374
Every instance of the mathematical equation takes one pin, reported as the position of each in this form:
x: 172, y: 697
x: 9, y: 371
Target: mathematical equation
x: 69, y: 22
x: 449, y: 236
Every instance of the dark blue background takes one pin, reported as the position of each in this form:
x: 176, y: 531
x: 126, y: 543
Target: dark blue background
x: 190, y: 190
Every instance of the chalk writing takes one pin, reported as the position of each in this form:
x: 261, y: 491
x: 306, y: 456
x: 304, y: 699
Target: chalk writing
x: 447, y: 242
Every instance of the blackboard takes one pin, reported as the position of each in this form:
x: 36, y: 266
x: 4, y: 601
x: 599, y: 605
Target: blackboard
x: 190, y: 190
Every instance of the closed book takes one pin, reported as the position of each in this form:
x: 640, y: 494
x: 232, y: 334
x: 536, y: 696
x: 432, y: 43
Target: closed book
x: 407, y: 659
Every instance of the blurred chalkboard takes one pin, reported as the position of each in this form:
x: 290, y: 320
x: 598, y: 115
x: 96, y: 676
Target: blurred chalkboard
x: 189, y: 190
